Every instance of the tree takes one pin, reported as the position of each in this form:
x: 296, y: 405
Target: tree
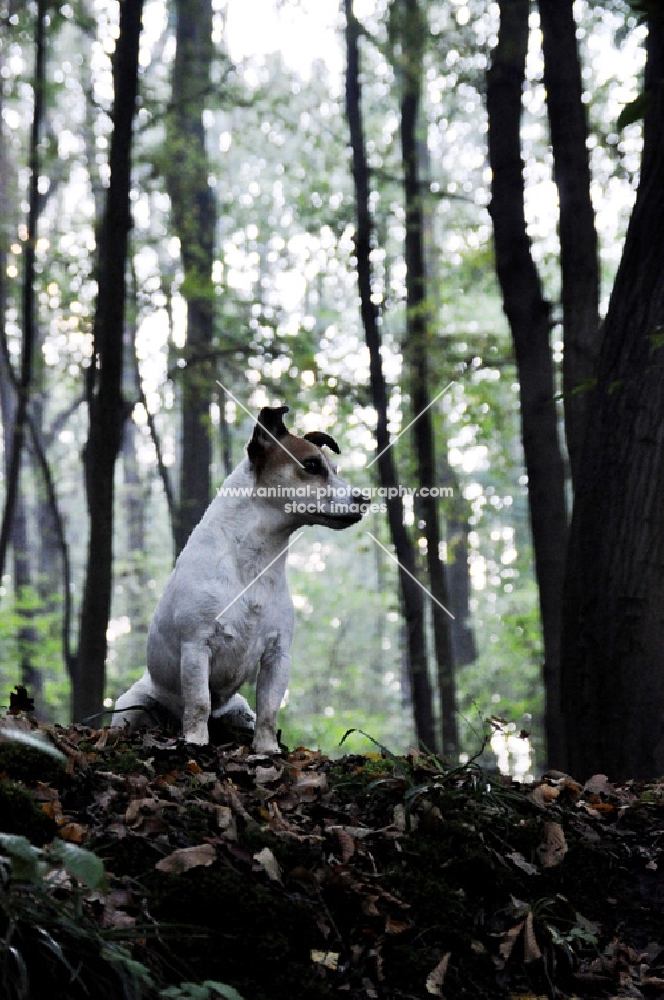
x: 410, y: 33
x: 411, y: 593
x: 29, y: 326
x: 613, y: 626
x: 579, y: 254
x: 194, y: 216
x: 106, y: 406
x: 528, y: 314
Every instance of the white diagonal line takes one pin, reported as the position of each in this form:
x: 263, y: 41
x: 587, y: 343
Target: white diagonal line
x: 257, y: 421
x: 401, y: 566
x: 404, y: 429
x: 258, y: 575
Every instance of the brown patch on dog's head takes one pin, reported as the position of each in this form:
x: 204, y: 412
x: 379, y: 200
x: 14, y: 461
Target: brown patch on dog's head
x: 319, y: 439
x: 269, y: 428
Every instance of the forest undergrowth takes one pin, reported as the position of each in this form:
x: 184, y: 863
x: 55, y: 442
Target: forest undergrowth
x: 141, y: 867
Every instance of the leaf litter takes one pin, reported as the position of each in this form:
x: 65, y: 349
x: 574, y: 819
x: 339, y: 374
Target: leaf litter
x: 365, y: 876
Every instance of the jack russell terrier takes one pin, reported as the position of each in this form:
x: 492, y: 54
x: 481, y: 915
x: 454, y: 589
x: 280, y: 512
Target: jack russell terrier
x: 226, y: 605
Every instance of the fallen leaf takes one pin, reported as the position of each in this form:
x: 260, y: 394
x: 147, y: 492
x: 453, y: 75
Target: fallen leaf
x: 395, y: 926
x: 201, y: 855
x: 437, y: 975
x: 598, y: 785
x: 531, y: 950
x: 521, y: 863
x: 544, y: 794
x: 73, y: 832
x: 328, y: 959
x: 269, y: 864
x: 309, y: 785
x: 509, y: 939
x: 553, y: 848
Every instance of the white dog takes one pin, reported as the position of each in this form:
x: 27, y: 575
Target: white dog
x: 226, y: 605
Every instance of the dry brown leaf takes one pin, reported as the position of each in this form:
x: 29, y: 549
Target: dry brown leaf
x: 598, y: 785
x: 269, y: 864
x: 509, y: 939
x: 226, y: 822
x: 328, y: 959
x: 346, y: 843
x: 395, y: 926
x: 531, y: 951
x: 266, y: 775
x: 553, y: 848
x: 73, y: 832
x: 544, y: 794
x: 436, y: 977
x: 309, y: 785
x: 182, y: 860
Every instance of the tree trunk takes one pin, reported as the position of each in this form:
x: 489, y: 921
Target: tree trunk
x: 105, y: 401
x: 528, y: 316
x: 416, y: 351
x: 28, y: 293
x: 194, y: 217
x: 579, y: 254
x: 613, y: 638
x: 411, y: 593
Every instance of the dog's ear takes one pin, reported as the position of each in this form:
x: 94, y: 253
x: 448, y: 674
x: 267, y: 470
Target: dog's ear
x: 268, y: 427
x: 319, y: 439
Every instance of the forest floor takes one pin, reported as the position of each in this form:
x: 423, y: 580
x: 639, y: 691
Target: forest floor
x: 306, y: 877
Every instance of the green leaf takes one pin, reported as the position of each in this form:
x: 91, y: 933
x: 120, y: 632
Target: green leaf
x: 27, y: 861
x: 208, y: 990
x: 635, y: 111
x: 79, y: 863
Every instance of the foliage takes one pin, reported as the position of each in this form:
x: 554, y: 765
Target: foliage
x: 303, y: 876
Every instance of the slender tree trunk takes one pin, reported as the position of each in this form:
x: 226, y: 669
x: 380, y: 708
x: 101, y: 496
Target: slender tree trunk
x: 528, y: 316
x: 579, y: 254
x: 28, y: 292
x: 416, y: 351
x: 105, y: 401
x: 194, y: 216
x: 613, y: 637
x: 411, y: 594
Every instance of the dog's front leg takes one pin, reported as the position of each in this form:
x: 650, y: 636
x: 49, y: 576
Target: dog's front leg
x: 195, y: 682
x: 270, y: 690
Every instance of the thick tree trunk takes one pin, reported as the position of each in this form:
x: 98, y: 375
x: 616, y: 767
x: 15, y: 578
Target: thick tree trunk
x: 416, y: 352
x: 194, y: 216
x: 613, y: 637
x: 411, y: 594
x: 105, y: 401
x: 579, y: 255
x: 528, y: 316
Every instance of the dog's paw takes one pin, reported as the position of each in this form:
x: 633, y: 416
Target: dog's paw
x: 265, y: 742
x: 197, y: 735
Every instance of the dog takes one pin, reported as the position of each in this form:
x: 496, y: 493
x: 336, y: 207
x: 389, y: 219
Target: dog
x: 226, y: 607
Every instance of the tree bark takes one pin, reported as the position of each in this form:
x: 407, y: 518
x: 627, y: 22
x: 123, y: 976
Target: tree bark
x: 416, y: 352
x: 105, y: 400
x: 528, y: 316
x: 411, y: 594
x: 613, y: 636
x: 194, y: 217
x: 28, y: 293
x: 579, y: 254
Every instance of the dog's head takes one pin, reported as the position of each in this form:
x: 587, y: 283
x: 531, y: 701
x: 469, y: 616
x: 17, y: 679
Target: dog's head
x: 298, y: 475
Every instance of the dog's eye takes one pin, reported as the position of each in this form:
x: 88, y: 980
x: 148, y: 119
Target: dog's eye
x: 314, y: 466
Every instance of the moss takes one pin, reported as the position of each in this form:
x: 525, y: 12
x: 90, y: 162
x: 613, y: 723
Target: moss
x: 29, y: 764
x: 236, y: 930
x: 20, y: 814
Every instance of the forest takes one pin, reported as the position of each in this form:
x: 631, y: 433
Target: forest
x: 434, y: 231
x: 432, y: 228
